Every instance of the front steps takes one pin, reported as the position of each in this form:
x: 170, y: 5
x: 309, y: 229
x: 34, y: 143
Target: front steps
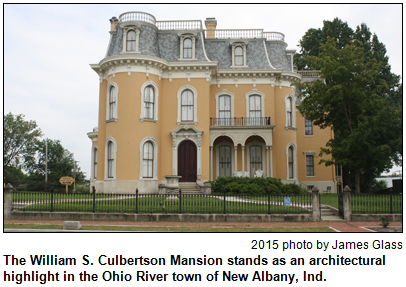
x: 327, y: 214
x: 189, y: 188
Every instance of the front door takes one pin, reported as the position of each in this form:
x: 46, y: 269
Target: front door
x: 187, y: 161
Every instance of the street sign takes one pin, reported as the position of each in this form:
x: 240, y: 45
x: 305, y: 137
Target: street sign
x: 286, y: 201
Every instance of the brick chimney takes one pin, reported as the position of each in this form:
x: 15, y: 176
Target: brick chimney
x: 211, y: 24
x: 113, y: 21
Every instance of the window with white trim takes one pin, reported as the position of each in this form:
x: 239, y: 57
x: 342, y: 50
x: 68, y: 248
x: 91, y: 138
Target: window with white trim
x: 187, y: 105
x: 112, y: 103
x: 255, y: 110
x: 309, y: 165
x: 224, y: 110
x: 188, y: 47
x: 290, y: 162
x: 239, y: 55
x: 255, y: 107
x: 290, y: 118
x: 149, y: 100
x: 110, y: 159
x: 148, y: 160
x: 131, y: 35
x: 308, y: 127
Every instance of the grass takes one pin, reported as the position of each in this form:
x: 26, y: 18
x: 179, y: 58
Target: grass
x: 163, y: 204
x: 172, y: 228
x: 366, y: 204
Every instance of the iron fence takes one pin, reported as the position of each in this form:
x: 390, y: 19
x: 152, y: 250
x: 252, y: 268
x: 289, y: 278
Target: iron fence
x: 177, y: 202
x: 376, y: 203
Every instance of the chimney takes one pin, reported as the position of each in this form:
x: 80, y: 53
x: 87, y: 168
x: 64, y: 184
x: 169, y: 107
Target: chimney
x: 113, y: 21
x: 211, y: 24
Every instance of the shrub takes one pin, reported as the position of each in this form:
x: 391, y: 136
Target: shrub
x: 256, y: 185
x: 84, y: 189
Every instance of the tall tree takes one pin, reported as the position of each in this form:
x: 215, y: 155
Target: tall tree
x: 349, y: 101
x: 19, y: 139
x: 310, y: 42
x: 60, y: 163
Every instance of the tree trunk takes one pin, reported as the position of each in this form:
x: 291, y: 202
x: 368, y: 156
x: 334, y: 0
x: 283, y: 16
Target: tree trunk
x: 357, y: 180
x: 346, y: 177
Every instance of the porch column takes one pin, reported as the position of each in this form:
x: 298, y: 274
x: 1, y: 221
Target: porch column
x: 235, y: 159
x: 267, y: 161
x: 211, y: 163
x: 243, y: 158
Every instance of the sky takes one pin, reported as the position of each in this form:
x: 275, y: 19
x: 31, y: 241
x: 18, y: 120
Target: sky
x: 48, y: 49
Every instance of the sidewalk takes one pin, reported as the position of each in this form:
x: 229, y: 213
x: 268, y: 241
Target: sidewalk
x: 339, y: 226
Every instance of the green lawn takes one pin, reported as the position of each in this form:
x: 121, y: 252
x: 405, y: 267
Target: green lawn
x: 214, y: 204
x: 366, y: 204
x: 165, y: 204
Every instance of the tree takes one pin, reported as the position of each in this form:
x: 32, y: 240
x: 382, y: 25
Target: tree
x: 367, y: 127
x: 19, y: 139
x: 60, y: 163
x: 310, y: 42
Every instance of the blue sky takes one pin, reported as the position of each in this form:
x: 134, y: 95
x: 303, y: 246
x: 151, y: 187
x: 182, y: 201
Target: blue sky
x: 48, y: 49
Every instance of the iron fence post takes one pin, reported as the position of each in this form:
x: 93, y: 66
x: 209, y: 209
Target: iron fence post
x: 180, y: 201
x: 94, y: 199
x: 136, y: 200
x: 224, y: 199
x: 52, y: 199
x: 269, y: 201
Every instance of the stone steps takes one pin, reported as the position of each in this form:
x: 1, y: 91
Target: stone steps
x: 189, y: 188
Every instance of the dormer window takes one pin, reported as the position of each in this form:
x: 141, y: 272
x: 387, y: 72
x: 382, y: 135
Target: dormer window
x: 187, y: 47
x: 239, y: 55
x: 131, y: 40
x: 131, y: 36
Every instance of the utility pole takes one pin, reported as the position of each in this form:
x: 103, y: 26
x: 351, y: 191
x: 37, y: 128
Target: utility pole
x: 46, y: 162
x: 74, y: 172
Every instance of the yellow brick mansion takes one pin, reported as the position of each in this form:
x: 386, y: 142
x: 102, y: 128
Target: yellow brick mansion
x: 177, y: 98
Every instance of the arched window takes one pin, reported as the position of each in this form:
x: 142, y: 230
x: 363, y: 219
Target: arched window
x: 110, y: 159
x: 289, y: 112
x: 187, y: 106
x: 255, y: 110
x: 290, y: 162
x: 131, y: 40
x: 148, y: 160
x: 149, y: 100
x: 224, y: 111
x: 95, y: 163
x: 225, y: 160
x: 112, y: 102
x: 239, y: 56
x: 255, y: 159
x: 187, y: 48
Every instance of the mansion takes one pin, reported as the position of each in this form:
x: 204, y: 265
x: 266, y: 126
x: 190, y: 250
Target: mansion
x: 177, y: 98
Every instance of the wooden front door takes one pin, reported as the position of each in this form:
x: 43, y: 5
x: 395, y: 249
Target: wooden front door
x: 187, y: 161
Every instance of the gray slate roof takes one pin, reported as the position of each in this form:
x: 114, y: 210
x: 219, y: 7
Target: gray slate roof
x: 166, y: 46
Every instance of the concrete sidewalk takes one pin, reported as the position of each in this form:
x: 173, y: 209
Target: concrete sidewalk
x: 338, y: 226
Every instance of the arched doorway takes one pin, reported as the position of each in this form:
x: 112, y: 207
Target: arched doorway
x: 187, y: 161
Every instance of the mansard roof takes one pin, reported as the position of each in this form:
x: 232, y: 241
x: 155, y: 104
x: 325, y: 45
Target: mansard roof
x: 160, y: 39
